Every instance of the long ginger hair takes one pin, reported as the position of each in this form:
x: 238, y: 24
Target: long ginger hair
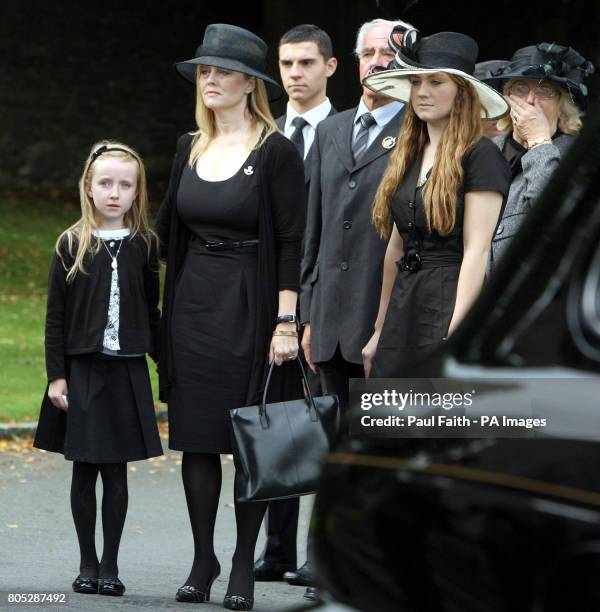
x: 78, y: 238
x: 464, y: 129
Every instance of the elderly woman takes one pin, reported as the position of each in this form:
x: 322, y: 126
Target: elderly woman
x: 544, y: 85
x: 231, y: 229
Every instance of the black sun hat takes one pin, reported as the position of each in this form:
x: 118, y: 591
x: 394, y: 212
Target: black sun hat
x: 484, y: 71
x: 233, y: 48
x: 449, y: 52
x: 550, y: 63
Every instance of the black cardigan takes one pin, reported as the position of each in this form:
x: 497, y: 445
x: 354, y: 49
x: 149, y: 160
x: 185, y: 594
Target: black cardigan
x: 280, y: 229
x: 77, y: 312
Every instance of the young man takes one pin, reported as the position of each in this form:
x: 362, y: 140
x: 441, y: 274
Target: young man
x: 305, y: 63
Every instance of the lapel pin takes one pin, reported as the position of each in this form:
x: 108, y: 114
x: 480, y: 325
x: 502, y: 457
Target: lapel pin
x: 249, y: 170
x: 388, y: 142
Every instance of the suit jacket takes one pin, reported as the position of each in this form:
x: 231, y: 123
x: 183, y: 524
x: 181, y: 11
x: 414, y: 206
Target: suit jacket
x: 308, y: 160
x: 342, y: 265
x: 538, y: 166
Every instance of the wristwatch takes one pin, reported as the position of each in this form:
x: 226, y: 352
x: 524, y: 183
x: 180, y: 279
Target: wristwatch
x: 286, y: 319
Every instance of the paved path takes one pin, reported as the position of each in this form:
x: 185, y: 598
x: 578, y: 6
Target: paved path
x: 38, y: 547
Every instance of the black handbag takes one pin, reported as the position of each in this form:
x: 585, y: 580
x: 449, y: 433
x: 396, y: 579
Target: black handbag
x: 280, y: 446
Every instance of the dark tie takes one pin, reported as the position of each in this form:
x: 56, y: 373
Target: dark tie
x: 297, y: 138
x: 362, y: 137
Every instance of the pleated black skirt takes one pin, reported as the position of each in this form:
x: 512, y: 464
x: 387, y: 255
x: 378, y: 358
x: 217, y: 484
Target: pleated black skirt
x: 111, y: 416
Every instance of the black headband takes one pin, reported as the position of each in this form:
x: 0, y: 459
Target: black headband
x: 105, y: 149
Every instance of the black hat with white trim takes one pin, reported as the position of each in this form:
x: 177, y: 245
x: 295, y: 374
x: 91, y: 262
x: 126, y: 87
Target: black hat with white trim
x: 448, y: 52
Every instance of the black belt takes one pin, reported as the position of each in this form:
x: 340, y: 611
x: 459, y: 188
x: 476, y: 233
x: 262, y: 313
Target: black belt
x: 229, y: 245
x: 414, y: 261
x: 226, y: 245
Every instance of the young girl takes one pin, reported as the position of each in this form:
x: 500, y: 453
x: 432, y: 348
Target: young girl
x: 438, y: 201
x: 102, y: 317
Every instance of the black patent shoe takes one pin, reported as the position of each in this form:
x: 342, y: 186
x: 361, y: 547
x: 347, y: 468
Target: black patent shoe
x: 303, y: 576
x: 190, y: 594
x: 271, y: 571
x: 238, y: 602
x: 111, y: 586
x: 85, y: 585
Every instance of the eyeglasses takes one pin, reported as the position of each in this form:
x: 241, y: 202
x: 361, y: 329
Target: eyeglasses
x: 542, y: 92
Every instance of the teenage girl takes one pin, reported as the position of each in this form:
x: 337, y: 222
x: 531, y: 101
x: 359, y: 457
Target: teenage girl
x: 438, y: 201
x: 102, y: 318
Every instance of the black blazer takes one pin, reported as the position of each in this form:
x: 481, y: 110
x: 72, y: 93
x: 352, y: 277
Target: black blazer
x: 308, y: 159
x: 342, y: 265
x: 77, y: 313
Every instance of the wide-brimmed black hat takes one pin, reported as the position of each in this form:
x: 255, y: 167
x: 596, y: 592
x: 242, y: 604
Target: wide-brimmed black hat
x: 227, y: 46
x: 484, y: 71
x: 551, y: 63
x: 448, y: 52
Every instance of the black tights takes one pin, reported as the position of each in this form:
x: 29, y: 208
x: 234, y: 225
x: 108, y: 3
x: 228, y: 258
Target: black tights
x: 202, y: 477
x: 114, y: 509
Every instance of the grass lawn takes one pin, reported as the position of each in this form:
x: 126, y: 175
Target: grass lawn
x: 27, y: 234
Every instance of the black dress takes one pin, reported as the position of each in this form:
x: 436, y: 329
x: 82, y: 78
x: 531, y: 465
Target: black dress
x: 219, y: 307
x: 214, y: 309
x: 422, y: 299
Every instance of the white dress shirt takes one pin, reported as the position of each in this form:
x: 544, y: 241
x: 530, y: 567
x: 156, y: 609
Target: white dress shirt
x: 382, y: 115
x: 314, y: 116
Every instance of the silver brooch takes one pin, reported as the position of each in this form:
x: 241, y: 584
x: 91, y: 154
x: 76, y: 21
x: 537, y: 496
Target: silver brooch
x: 388, y: 142
x: 422, y: 181
x: 249, y: 170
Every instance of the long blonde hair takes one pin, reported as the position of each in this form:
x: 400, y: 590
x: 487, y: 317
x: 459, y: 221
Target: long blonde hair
x: 464, y: 129
x: 78, y: 238
x: 569, y: 115
x: 257, y: 107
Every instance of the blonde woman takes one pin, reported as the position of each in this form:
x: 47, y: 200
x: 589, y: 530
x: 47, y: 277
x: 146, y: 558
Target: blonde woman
x: 102, y: 317
x: 438, y: 201
x: 545, y: 87
x: 231, y: 227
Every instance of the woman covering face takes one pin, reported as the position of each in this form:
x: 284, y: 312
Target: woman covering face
x: 438, y: 201
x: 231, y: 228
x: 544, y: 85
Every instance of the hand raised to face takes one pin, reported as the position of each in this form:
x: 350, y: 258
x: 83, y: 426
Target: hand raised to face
x: 530, y: 121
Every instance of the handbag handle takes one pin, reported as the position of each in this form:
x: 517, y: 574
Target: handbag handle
x: 312, y: 409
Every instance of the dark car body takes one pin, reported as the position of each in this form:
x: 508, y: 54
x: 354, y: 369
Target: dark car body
x: 497, y: 524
